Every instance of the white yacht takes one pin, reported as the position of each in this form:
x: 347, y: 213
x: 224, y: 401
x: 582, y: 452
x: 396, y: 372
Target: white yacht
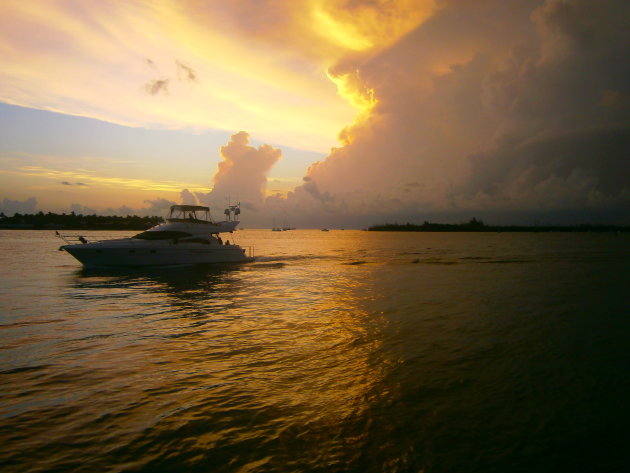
x: 188, y: 237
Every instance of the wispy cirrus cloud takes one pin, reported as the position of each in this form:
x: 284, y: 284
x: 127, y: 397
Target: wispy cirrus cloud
x: 201, y: 65
x: 86, y: 176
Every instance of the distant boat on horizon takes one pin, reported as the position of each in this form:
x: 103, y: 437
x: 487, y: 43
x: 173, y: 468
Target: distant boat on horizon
x: 286, y: 226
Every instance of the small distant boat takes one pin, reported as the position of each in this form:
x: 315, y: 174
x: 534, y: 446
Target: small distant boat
x: 324, y: 229
x: 188, y: 237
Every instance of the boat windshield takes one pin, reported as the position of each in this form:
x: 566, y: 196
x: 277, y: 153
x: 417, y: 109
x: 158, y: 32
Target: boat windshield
x: 166, y: 235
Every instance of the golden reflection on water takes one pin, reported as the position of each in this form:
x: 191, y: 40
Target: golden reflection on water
x: 333, y: 352
x: 266, y: 340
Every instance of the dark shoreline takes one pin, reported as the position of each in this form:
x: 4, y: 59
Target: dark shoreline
x: 478, y: 226
x: 72, y: 221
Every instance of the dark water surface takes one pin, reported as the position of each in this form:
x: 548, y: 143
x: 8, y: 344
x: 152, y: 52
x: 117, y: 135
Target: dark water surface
x: 342, y: 351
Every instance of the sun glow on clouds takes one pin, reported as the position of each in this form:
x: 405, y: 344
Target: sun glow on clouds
x: 439, y: 106
x: 170, y: 64
x: 366, y: 26
x: 361, y: 31
x: 490, y: 107
x: 185, y: 64
x: 287, y: 72
x: 346, y: 36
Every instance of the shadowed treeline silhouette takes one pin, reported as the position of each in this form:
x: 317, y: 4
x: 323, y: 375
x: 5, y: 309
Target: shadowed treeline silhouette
x: 475, y: 225
x: 73, y: 221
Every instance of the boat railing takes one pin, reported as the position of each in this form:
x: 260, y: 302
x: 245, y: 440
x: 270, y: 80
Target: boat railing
x: 190, y: 220
x: 75, y: 239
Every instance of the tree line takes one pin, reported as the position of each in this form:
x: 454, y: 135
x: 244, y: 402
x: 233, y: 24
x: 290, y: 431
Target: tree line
x: 73, y: 221
x: 475, y: 225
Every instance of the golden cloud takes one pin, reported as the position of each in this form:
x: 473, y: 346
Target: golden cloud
x: 211, y: 65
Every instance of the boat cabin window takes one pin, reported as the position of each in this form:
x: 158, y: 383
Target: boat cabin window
x: 166, y: 235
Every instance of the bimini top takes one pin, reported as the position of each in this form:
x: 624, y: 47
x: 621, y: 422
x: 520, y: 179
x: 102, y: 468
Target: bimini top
x: 189, y: 212
x: 189, y: 207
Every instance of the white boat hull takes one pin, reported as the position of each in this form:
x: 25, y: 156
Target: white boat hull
x: 184, y: 239
x: 133, y: 253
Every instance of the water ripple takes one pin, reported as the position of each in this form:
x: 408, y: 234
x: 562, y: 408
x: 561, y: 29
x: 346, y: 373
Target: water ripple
x: 491, y: 353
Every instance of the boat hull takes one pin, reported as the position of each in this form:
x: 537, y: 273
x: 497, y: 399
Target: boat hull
x: 132, y: 254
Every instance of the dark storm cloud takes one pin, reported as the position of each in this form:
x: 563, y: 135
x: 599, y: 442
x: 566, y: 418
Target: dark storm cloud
x: 577, y: 168
x: 569, y: 142
x: 493, y: 106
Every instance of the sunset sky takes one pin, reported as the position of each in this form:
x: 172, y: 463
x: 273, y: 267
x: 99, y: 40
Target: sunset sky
x: 320, y: 112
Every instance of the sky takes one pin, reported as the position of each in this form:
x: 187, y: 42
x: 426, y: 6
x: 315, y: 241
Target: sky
x: 336, y: 113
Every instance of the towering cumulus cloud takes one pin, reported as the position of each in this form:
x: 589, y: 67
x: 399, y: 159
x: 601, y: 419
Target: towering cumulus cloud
x: 499, y: 107
x: 242, y: 175
x: 187, y: 197
x: 506, y: 110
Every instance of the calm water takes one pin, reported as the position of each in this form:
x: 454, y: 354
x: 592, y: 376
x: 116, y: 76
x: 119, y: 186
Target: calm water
x: 343, y: 351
